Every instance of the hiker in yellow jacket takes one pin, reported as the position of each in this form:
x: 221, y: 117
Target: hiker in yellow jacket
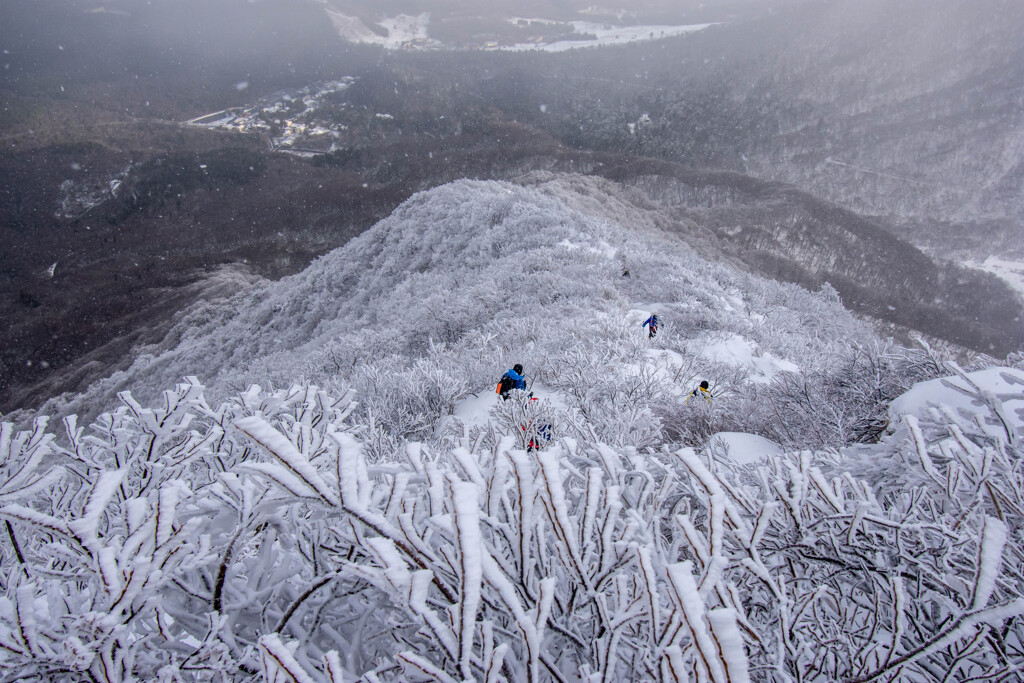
x: 701, y: 391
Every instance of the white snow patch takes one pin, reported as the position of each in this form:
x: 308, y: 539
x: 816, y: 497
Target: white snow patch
x: 664, y: 365
x: 605, y: 249
x: 738, y: 351
x: 403, y: 30
x: 406, y: 31
x: 554, y: 398
x: 734, y: 350
x: 542, y: 22
x: 602, y: 248
x: 353, y: 29
x: 666, y: 359
x: 642, y: 122
x: 1004, y: 385
x: 475, y: 410
x: 733, y: 303
x: 743, y: 448
x: 608, y: 35
x: 1010, y: 271
x: 78, y: 198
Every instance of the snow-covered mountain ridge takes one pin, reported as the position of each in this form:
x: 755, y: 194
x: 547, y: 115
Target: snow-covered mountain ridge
x: 495, y: 273
x: 914, y: 115
x: 242, y: 534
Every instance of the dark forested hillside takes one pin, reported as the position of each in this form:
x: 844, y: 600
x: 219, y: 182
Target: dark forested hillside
x: 909, y: 110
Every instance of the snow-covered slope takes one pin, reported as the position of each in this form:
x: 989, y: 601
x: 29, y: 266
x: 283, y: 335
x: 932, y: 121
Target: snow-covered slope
x: 402, y: 31
x: 1012, y: 271
x: 587, y: 34
x: 491, y: 274
x: 994, y: 391
x: 279, y: 532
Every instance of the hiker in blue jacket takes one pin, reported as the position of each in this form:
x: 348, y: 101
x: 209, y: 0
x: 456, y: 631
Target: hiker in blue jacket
x: 513, y: 379
x: 653, y: 323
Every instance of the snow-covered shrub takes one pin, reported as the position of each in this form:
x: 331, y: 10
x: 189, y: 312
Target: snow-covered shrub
x: 613, y: 391
x: 121, y: 542
x: 256, y: 539
x: 410, y: 402
x: 532, y: 422
x: 694, y: 421
x: 844, y: 403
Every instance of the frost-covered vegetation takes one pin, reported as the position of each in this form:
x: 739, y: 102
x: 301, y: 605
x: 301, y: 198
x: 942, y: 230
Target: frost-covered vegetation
x: 255, y: 538
x: 430, y: 306
x: 382, y: 518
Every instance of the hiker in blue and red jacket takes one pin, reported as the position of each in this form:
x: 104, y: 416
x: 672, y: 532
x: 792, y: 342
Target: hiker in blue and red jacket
x: 542, y: 436
x: 537, y: 433
x: 513, y: 379
x: 653, y: 323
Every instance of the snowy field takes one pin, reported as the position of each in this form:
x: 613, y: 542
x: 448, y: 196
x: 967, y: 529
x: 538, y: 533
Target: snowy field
x: 1010, y: 271
x: 608, y: 35
x: 406, y: 31
x: 403, y: 31
x: 738, y: 351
